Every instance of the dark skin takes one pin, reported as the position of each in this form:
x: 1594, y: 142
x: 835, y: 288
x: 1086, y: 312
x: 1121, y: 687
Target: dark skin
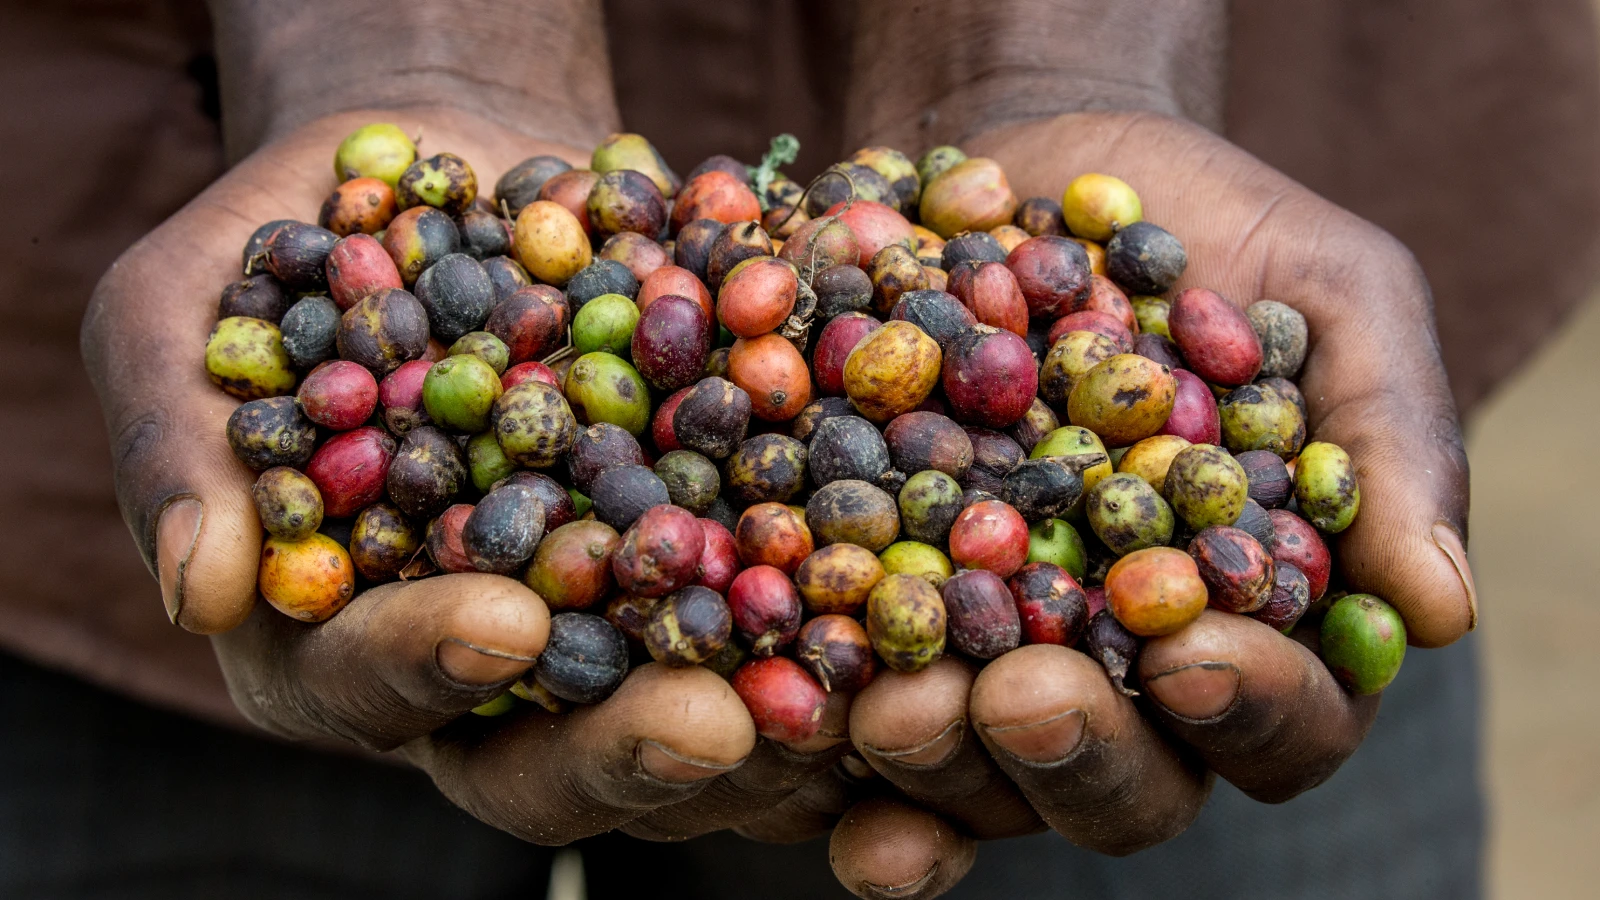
x: 1235, y: 698
x: 403, y: 661
x: 674, y: 754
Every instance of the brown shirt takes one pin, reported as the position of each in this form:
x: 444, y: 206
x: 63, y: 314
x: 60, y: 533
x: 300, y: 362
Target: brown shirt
x: 1470, y: 129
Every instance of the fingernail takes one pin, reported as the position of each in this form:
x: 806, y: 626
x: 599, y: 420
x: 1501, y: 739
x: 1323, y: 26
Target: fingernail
x: 1450, y: 542
x: 470, y: 664
x: 177, y: 533
x: 1200, y: 691
x: 910, y: 888
x: 675, y: 768
x: 931, y: 752
x: 1047, y: 741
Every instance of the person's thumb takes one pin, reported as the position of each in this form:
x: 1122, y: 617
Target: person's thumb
x: 183, y: 494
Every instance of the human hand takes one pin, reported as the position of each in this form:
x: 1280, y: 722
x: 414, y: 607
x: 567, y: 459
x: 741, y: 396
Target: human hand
x: 672, y: 754
x: 1055, y: 745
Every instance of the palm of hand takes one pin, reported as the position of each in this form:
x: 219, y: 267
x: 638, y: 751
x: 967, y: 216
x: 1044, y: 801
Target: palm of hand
x: 398, y: 667
x: 1058, y: 747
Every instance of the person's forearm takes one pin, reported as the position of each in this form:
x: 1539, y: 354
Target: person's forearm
x: 535, y: 66
x: 928, y: 72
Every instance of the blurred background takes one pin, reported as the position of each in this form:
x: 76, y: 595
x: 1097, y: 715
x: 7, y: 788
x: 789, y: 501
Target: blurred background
x: 1536, y: 555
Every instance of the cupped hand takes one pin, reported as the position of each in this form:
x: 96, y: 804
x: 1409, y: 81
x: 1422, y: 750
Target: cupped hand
x: 673, y: 753
x: 1038, y: 738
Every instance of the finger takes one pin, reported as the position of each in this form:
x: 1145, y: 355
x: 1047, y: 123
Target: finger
x: 1397, y: 420
x: 660, y: 739
x: 772, y: 773
x: 913, y: 729
x: 810, y: 812
x: 1374, y: 384
x: 1081, y: 753
x: 182, y: 493
x: 188, y: 502
x: 885, y: 848
x: 399, y: 661
x: 1261, y: 709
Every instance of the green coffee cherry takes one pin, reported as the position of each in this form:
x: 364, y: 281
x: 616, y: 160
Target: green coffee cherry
x: 580, y: 502
x: 929, y: 503
x: 692, y: 480
x: 897, y: 169
x: 1152, y: 314
x: 632, y: 151
x: 1257, y: 417
x: 601, y: 387
x: 767, y: 468
x: 379, y: 150
x: 1206, y: 486
x: 459, y: 391
x: 906, y: 622
x: 288, y: 503
x: 484, y: 346
x: 1363, y: 643
x: 534, y: 425
x: 938, y: 161
x: 486, y: 461
x: 605, y: 324
x: 1127, y: 514
x: 245, y: 357
x: 1058, y: 543
x: 1075, y: 440
x: 499, y: 706
x: 1325, y: 486
x: 925, y: 561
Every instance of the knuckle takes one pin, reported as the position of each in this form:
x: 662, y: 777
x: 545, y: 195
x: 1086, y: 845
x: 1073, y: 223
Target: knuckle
x: 562, y: 816
x: 287, y: 708
x: 286, y: 682
x: 267, y: 710
x: 270, y: 702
